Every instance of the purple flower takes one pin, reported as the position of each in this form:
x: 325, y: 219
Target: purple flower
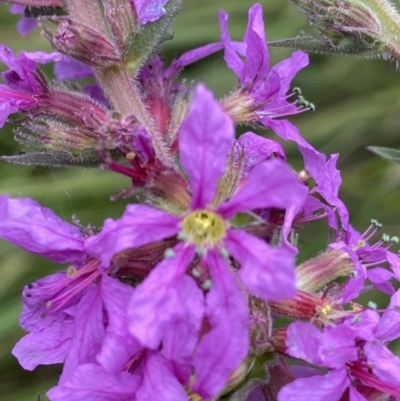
x: 262, y: 97
x: 266, y: 272
x: 350, y: 350
x: 63, y: 311
x: 22, y: 81
x: 367, y: 260
x: 26, y: 24
x: 262, y: 94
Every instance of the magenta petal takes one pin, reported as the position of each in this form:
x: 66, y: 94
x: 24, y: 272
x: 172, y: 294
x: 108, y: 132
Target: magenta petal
x: 37, y: 229
x: 288, y: 68
x: 232, y: 59
x: 88, y: 334
x: 355, y: 395
x: 338, y: 346
x: 384, y: 364
x: 316, y: 388
x: 389, y: 328
x: 46, y: 347
x: 270, y: 184
x: 139, y: 225
x: 149, y: 11
x: 303, y: 341
x: 182, y: 334
x: 158, y: 382
x: 119, y: 345
x: 190, y: 57
x: 158, y: 301
x: 328, y: 183
x: 90, y: 382
x: 257, y: 58
x: 257, y: 149
x: 221, y: 350
x: 268, y: 273
x: 26, y: 25
x: 205, y: 139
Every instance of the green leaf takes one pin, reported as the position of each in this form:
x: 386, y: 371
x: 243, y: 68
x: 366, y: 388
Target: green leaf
x: 392, y: 155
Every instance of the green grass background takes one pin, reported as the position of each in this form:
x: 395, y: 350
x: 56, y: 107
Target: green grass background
x: 358, y: 104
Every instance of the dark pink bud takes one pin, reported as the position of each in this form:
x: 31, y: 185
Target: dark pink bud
x: 82, y: 43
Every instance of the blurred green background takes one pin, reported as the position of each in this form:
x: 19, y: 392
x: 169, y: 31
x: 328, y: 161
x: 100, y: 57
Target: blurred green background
x: 358, y: 104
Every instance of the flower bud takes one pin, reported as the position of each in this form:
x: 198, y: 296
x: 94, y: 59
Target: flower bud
x: 304, y: 306
x: 314, y: 274
x: 82, y: 43
x: 349, y: 27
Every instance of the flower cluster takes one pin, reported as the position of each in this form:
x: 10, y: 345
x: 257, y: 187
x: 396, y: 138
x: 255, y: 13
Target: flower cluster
x: 181, y: 297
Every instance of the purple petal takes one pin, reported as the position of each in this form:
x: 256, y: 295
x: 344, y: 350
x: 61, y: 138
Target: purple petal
x: 303, y: 341
x: 379, y: 278
x: 118, y: 346
x: 45, y: 347
x: 26, y: 25
x: 268, y: 273
x: 159, y: 383
x: 288, y: 68
x: 205, y: 139
x: 88, y: 334
x: 316, y: 388
x: 181, y: 336
x: 43, y: 57
x: 355, y: 395
x: 270, y: 184
x: 30, y: 226
x: 190, y: 57
x: 160, y: 300
x: 232, y: 59
x: 221, y: 350
x: 338, y: 346
x: 256, y: 65
x: 91, y: 382
x: 96, y: 92
x: 149, y: 11
x: 394, y: 261
x: 257, y: 149
x: 389, y: 328
x: 139, y: 225
x: 328, y: 184
x: 72, y: 69
x: 384, y: 364
x: 364, y: 325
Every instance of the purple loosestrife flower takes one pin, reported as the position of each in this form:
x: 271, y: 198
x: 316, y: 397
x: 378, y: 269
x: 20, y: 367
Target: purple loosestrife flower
x: 262, y: 93
x: 352, y: 349
x: 23, y: 83
x: 262, y: 98
x: 63, y: 311
x: 266, y: 272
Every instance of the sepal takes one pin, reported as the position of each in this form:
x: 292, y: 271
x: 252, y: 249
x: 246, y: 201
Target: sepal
x: 144, y: 45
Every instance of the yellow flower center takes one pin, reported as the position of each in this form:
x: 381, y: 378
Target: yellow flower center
x: 203, y: 228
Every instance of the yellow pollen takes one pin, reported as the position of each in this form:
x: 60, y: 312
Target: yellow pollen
x: 361, y: 243
x: 325, y: 310
x: 71, y: 271
x: 203, y: 228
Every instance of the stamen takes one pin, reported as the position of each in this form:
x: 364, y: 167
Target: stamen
x: 204, y: 229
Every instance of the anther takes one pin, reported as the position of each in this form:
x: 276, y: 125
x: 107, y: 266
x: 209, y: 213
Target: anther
x: 206, y: 285
x: 395, y: 240
x: 297, y: 90
x: 385, y: 238
x: 224, y: 253
x: 169, y: 253
x: 372, y: 305
x: 71, y: 271
x: 196, y: 272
